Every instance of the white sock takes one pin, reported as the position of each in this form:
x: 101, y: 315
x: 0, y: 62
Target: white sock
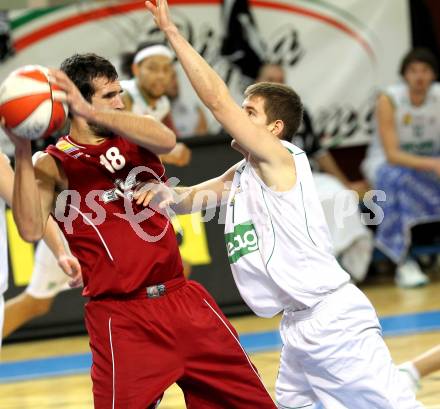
x: 412, y: 370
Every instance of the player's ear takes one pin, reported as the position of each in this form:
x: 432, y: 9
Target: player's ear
x: 276, y: 127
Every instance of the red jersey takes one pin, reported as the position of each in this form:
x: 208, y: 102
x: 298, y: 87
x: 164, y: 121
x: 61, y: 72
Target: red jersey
x: 121, y: 246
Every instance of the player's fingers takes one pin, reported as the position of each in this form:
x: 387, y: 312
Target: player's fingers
x: 75, y: 283
x: 148, y: 198
x: 150, y: 7
x: 59, y: 96
x: 76, y: 267
x: 66, y: 268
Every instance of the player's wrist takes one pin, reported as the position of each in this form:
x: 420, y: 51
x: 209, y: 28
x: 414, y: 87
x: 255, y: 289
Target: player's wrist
x: 171, y: 31
x: 22, y: 147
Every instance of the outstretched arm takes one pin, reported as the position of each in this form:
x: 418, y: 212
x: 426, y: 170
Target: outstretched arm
x: 184, y: 200
x: 143, y: 130
x: 215, y: 95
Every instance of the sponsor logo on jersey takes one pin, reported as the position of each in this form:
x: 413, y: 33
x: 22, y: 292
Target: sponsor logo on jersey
x: 122, y: 189
x: 242, y: 241
x: 68, y: 148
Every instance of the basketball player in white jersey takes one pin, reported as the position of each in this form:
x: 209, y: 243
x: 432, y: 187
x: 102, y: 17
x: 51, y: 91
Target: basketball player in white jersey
x: 279, y: 248
x: 63, y: 262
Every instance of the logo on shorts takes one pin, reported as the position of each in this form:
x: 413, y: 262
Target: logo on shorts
x: 243, y: 240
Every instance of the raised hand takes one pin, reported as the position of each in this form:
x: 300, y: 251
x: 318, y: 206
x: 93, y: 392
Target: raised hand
x: 77, y: 104
x: 161, y: 14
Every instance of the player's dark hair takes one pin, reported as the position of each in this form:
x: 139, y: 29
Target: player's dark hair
x: 128, y: 57
x: 280, y: 103
x: 82, y: 69
x: 419, y: 55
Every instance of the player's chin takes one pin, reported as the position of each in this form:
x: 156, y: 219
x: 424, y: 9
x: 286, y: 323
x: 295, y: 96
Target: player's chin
x: 238, y: 148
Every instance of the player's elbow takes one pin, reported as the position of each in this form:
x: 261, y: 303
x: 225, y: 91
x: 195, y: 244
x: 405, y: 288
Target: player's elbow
x: 29, y: 235
x: 392, y: 156
x: 29, y: 231
x: 168, y: 142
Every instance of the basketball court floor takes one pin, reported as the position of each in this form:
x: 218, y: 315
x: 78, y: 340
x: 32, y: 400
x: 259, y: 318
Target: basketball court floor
x: 54, y: 373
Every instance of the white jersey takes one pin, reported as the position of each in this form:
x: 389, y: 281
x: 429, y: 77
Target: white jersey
x: 278, y: 243
x: 140, y: 106
x: 185, y: 117
x: 417, y: 127
x: 4, y: 268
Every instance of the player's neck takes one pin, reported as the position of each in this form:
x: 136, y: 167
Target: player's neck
x: 417, y: 97
x: 85, y: 136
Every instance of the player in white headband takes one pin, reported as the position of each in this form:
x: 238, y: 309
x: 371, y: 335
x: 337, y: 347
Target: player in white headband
x: 145, y: 93
x: 151, y: 51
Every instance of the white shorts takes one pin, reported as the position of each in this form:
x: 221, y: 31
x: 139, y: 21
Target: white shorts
x: 334, y: 357
x: 48, y: 279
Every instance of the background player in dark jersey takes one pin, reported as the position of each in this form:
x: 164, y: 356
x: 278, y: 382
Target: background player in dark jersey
x: 148, y: 326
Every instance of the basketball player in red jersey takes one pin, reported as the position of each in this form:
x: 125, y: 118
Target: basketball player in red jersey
x: 148, y: 326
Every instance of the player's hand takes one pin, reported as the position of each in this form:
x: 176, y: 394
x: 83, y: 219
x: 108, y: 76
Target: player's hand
x: 179, y: 156
x: 71, y: 267
x: 161, y: 15
x: 16, y: 140
x: 73, y: 97
x: 155, y: 194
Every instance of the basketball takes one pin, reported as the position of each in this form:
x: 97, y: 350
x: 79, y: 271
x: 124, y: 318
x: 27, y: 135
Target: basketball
x: 27, y: 103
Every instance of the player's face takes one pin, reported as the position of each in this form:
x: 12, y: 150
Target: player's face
x: 254, y: 108
x: 107, y: 96
x: 154, y: 75
x: 419, y: 77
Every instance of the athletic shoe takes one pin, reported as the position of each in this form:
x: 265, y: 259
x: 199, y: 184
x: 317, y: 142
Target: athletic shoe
x: 409, y: 275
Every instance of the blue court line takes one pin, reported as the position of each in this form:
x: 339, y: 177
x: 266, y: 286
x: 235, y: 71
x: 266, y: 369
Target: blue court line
x: 253, y: 342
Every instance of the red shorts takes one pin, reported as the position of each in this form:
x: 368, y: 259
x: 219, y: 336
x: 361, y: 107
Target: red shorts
x: 142, y: 346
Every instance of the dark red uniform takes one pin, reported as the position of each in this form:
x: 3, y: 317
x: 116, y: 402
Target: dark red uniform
x: 148, y: 327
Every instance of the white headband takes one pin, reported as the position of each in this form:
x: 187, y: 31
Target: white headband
x: 150, y: 51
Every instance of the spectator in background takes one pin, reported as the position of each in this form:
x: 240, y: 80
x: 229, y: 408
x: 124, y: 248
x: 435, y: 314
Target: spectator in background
x: 150, y: 68
x: 403, y: 160
x: 188, y: 117
x: 352, y: 241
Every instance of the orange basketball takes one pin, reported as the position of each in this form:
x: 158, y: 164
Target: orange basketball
x: 27, y: 103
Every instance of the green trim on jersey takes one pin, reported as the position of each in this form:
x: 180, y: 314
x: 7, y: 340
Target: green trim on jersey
x: 305, y: 213
x: 273, y: 229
